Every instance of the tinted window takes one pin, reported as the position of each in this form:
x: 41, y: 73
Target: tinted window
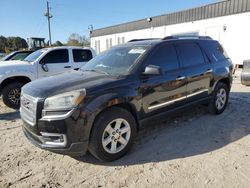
x: 20, y: 56
x: 57, y: 56
x: 165, y: 57
x: 82, y: 55
x: 190, y: 54
x: 214, y: 51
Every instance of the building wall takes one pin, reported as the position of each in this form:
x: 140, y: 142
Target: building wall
x: 232, y: 31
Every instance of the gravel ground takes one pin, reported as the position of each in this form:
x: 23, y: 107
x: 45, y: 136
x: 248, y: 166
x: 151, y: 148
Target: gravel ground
x: 193, y: 149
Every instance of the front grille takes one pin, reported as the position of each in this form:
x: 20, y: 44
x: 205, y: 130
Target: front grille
x: 28, y: 109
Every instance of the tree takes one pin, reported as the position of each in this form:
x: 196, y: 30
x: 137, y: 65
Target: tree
x: 74, y: 40
x: 3, y: 43
x: 16, y: 43
x: 78, y: 40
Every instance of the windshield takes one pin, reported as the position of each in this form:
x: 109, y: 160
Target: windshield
x: 32, y: 57
x: 116, y: 61
x: 7, y: 56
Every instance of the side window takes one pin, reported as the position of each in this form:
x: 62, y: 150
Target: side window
x: 20, y: 56
x: 165, y: 57
x: 190, y: 54
x: 215, y: 51
x: 82, y: 55
x: 56, y: 56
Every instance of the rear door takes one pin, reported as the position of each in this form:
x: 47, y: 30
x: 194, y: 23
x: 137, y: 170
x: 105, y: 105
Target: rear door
x: 56, y: 61
x: 197, y: 69
x: 168, y: 90
x: 81, y: 57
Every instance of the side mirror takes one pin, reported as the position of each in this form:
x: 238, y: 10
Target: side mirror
x: 45, y: 67
x: 152, y: 70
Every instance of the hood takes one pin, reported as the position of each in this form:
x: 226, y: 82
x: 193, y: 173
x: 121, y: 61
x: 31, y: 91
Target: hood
x: 6, y: 67
x: 10, y: 64
x: 74, y: 80
x: 13, y: 63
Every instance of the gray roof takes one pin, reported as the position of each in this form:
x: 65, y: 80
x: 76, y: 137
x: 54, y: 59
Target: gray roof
x: 218, y: 9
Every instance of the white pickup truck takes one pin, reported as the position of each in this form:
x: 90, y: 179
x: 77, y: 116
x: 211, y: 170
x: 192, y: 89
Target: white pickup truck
x: 41, y: 63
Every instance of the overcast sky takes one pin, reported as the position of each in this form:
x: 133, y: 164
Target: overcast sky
x: 25, y: 18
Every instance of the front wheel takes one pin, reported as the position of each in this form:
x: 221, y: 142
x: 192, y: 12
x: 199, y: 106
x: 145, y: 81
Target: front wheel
x: 113, y: 134
x: 11, y: 95
x: 219, y: 99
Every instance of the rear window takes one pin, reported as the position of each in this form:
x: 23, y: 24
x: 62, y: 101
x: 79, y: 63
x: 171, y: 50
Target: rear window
x: 82, y: 55
x: 215, y: 51
x: 190, y: 54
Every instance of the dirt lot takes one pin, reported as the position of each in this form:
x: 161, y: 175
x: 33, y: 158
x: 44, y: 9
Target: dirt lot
x: 195, y: 149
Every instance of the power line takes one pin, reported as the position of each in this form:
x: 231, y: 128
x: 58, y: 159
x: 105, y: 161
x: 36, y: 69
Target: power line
x: 49, y: 16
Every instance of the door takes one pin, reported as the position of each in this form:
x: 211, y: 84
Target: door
x: 197, y: 69
x: 54, y: 62
x: 168, y: 90
x: 81, y: 57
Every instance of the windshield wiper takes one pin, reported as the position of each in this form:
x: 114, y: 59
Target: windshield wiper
x: 95, y: 70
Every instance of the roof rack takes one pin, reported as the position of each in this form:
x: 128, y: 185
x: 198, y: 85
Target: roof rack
x: 136, y: 40
x: 186, y: 37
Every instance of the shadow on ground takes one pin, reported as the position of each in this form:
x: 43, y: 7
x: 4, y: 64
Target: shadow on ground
x: 192, y: 132
x: 9, y: 116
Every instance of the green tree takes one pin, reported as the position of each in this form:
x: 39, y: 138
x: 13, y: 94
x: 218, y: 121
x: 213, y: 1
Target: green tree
x: 3, y: 43
x: 16, y: 43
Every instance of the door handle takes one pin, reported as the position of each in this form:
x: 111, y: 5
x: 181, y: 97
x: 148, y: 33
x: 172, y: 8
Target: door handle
x: 67, y: 67
x: 179, y: 78
x: 209, y: 71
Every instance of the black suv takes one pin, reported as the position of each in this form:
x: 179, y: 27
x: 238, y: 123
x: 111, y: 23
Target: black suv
x: 100, y: 107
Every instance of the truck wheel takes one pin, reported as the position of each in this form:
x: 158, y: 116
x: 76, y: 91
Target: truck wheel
x: 11, y: 95
x: 219, y: 99
x: 113, y: 134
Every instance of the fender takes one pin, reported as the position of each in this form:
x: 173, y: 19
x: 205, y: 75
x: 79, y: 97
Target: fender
x: 95, y: 106
x: 17, y: 73
x: 221, y: 73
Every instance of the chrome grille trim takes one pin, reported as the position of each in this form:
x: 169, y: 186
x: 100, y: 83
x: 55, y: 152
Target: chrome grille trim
x: 28, y: 109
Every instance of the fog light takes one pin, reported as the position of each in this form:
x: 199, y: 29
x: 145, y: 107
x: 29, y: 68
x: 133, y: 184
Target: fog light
x: 54, y: 139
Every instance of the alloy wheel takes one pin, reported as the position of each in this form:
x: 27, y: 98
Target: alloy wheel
x: 221, y: 98
x: 14, y: 96
x: 116, y: 136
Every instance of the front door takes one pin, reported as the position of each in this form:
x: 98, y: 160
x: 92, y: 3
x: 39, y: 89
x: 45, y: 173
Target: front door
x: 54, y: 62
x: 168, y: 90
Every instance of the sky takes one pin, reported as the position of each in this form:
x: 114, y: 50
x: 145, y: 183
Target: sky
x: 25, y: 18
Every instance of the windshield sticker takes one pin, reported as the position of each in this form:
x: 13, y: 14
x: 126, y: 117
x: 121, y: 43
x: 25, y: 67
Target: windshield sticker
x: 137, y: 51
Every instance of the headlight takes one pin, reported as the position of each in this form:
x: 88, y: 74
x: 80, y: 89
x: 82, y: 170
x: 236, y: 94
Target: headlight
x: 63, y: 101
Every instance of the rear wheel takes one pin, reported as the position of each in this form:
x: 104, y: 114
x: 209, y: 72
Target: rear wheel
x: 11, y: 95
x: 113, y: 134
x: 219, y: 99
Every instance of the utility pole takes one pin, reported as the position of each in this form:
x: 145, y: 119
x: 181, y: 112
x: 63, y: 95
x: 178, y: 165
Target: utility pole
x: 49, y: 16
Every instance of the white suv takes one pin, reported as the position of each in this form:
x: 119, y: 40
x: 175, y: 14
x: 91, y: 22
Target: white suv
x: 41, y: 63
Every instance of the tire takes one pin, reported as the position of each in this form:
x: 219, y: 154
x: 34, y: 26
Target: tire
x: 219, y: 99
x: 11, y: 95
x: 103, y: 136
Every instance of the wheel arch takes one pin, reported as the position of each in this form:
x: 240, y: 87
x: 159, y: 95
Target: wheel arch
x: 98, y: 106
x: 225, y: 80
x: 22, y: 79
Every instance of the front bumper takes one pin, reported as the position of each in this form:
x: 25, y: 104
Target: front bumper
x: 74, y: 149
x: 67, y: 136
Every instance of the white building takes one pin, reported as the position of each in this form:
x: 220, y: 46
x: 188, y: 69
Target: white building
x: 226, y: 21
